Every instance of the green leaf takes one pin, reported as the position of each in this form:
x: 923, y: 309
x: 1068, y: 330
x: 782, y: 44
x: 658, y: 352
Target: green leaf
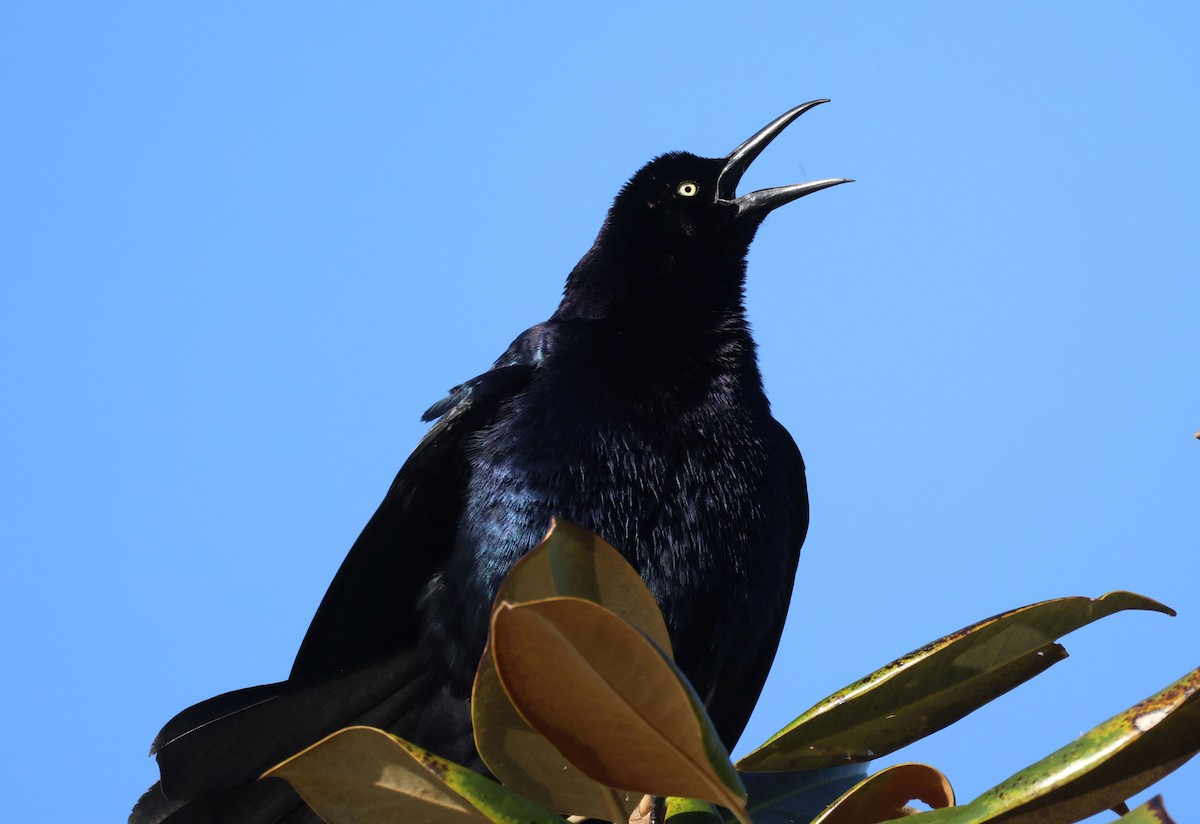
x: 1097, y: 771
x: 886, y: 794
x: 691, y: 811
x: 361, y: 775
x: 1152, y: 812
x: 570, y: 561
x: 933, y: 687
x: 611, y: 701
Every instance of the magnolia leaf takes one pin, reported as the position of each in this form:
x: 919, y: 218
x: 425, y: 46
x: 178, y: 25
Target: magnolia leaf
x: 788, y: 797
x: 611, y: 701
x: 886, y: 794
x: 1108, y: 764
x: 933, y: 687
x: 361, y: 775
x: 527, y: 763
x: 570, y: 561
x: 1098, y: 770
x: 1152, y: 812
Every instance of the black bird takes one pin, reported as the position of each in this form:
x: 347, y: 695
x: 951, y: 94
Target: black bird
x: 637, y: 410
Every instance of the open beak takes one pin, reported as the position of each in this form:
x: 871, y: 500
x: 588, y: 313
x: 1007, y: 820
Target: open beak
x: 758, y: 204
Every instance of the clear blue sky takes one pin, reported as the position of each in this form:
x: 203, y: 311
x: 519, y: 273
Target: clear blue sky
x: 242, y: 249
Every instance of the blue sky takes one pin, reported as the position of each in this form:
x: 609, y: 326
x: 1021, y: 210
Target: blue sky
x: 243, y: 249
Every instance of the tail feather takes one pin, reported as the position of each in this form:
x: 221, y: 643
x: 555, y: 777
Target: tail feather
x: 214, y: 710
x: 231, y: 739
x: 153, y: 807
x: 271, y: 801
x: 212, y: 754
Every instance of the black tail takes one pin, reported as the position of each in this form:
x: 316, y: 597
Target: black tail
x: 212, y: 754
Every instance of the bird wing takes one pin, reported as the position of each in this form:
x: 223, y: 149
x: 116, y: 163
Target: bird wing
x: 359, y: 661
x: 730, y: 709
x: 797, y: 494
x: 370, y: 607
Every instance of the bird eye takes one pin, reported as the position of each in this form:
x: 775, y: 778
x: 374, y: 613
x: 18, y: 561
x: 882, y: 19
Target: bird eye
x: 688, y: 189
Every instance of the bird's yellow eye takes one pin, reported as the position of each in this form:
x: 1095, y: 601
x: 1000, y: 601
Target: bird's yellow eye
x: 688, y: 189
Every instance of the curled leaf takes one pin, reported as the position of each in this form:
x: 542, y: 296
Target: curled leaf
x: 886, y: 795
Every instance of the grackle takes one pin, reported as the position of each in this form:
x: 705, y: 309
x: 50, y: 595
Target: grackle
x: 637, y: 411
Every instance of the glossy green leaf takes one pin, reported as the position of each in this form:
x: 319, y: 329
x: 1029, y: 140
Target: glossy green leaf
x: 887, y: 794
x: 932, y: 687
x: 570, y: 561
x: 361, y: 775
x: 611, y: 701
x: 1098, y: 770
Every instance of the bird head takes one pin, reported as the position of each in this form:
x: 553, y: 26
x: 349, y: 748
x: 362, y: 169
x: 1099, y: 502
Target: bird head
x: 680, y: 194
x: 680, y: 222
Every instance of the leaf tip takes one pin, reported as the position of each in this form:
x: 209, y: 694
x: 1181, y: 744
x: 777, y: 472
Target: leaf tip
x: 1155, y: 805
x: 1136, y: 601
